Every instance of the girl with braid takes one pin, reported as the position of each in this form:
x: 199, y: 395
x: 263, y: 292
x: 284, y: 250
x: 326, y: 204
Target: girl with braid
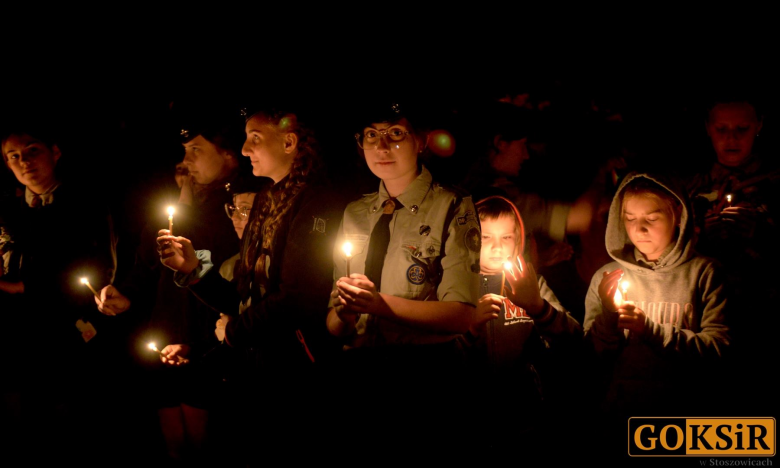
x: 275, y: 309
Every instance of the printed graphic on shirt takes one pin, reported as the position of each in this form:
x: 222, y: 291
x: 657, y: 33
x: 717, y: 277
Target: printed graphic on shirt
x: 513, y: 314
x: 415, y: 274
x: 319, y: 225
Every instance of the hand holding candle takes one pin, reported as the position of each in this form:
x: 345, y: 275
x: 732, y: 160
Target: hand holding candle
x: 523, y: 287
x: 347, y: 248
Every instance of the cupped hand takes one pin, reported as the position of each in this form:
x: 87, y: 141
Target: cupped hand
x: 177, y: 253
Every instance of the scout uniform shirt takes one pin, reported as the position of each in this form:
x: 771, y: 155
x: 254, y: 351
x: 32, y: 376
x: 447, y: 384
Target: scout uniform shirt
x: 433, y: 254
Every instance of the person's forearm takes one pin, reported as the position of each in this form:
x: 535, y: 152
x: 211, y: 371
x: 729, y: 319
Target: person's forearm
x: 438, y: 316
x: 12, y: 287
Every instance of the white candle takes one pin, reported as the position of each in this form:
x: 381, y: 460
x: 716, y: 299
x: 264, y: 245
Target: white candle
x: 85, y: 281
x: 171, y: 210
x: 347, y: 248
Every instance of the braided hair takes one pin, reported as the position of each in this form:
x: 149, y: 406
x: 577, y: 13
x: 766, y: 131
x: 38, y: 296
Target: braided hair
x: 269, y: 209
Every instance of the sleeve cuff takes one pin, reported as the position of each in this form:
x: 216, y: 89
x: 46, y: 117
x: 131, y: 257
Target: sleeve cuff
x: 204, y: 265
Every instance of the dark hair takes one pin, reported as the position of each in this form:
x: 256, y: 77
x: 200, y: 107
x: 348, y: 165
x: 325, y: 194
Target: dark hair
x: 732, y: 95
x: 496, y: 206
x: 218, y: 124
x: 38, y: 129
x: 642, y: 187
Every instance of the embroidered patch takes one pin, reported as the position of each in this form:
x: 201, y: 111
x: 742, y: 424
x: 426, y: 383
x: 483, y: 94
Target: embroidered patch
x: 473, y: 240
x: 416, y: 274
x: 319, y: 225
x: 461, y: 221
x: 425, y: 230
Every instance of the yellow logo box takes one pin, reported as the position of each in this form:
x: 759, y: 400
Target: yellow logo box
x: 691, y: 437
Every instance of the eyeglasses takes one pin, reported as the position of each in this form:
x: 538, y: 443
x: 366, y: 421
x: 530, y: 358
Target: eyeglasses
x: 233, y: 211
x: 371, y: 137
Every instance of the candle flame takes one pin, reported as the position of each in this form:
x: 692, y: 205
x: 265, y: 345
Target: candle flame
x: 728, y: 198
x: 84, y: 281
x: 508, y: 266
x: 347, y: 248
x: 171, y: 211
x: 624, y: 286
x: 153, y: 347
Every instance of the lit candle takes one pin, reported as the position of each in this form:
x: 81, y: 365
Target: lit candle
x: 728, y: 199
x: 86, y: 282
x: 171, y: 210
x: 624, y: 287
x: 153, y: 347
x: 347, y: 248
x: 507, y: 266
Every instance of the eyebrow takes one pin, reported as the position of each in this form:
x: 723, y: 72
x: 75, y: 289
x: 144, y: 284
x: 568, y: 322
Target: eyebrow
x: 648, y: 213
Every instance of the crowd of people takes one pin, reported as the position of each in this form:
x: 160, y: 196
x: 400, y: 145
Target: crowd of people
x: 415, y: 277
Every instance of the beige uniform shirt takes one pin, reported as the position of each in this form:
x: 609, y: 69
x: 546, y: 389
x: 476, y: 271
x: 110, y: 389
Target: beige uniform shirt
x: 433, y: 254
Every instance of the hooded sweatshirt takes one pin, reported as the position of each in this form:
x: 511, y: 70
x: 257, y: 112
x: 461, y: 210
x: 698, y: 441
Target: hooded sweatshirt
x: 685, y: 333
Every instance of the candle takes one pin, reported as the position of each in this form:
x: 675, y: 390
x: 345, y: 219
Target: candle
x: 85, y: 281
x: 171, y: 210
x: 728, y: 199
x: 347, y: 248
x: 624, y: 287
x: 507, y: 266
x: 153, y: 347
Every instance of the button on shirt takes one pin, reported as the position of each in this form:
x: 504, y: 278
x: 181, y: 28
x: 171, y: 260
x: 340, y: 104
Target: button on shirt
x: 433, y: 254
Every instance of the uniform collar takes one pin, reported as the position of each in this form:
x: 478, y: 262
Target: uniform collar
x: 47, y: 197
x: 413, y: 195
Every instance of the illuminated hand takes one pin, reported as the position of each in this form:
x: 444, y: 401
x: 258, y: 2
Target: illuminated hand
x: 607, y: 288
x: 176, y: 253
x: 175, y: 354
x: 631, y: 318
x: 358, y: 294
x: 524, y: 287
x: 488, y: 308
x: 111, y: 301
x: 740, y: 220
x: 219, y: 331
x: 348, y: 316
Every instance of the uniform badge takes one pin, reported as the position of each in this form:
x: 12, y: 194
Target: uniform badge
x: 416, y: 274
x: 319, y: 225
x: 473, y: 240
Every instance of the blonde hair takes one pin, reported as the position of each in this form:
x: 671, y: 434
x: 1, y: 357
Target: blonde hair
x: 644, y: 188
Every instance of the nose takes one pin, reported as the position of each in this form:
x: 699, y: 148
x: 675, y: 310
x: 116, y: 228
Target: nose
x: 495, y: 245
x: 244, y: 149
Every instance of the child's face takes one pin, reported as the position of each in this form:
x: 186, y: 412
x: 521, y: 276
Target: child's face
x: 732, y: 128
x: 499, y: 241
x: 649, y: 225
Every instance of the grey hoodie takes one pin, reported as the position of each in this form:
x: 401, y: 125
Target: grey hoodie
x: 683, y: 296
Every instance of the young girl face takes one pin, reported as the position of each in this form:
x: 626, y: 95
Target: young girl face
x: 267, y: 147
x: 31, y: 161
x: 243, y: 204
x: 499, y: 242
x: 650, y: 225
x: 391, y: 151
x: 204, y: 160
x: 732, y: 128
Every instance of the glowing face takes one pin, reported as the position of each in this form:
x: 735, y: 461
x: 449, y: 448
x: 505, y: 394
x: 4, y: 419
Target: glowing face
x: 31, y: 161
x: 203, y: 160
x: 510, y: 156
x: 650, y: 228
x: 499, y: 241
x: 732, y: 128
x: 395, y: 162
x: 265, y: 146
x: 243, y: 204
